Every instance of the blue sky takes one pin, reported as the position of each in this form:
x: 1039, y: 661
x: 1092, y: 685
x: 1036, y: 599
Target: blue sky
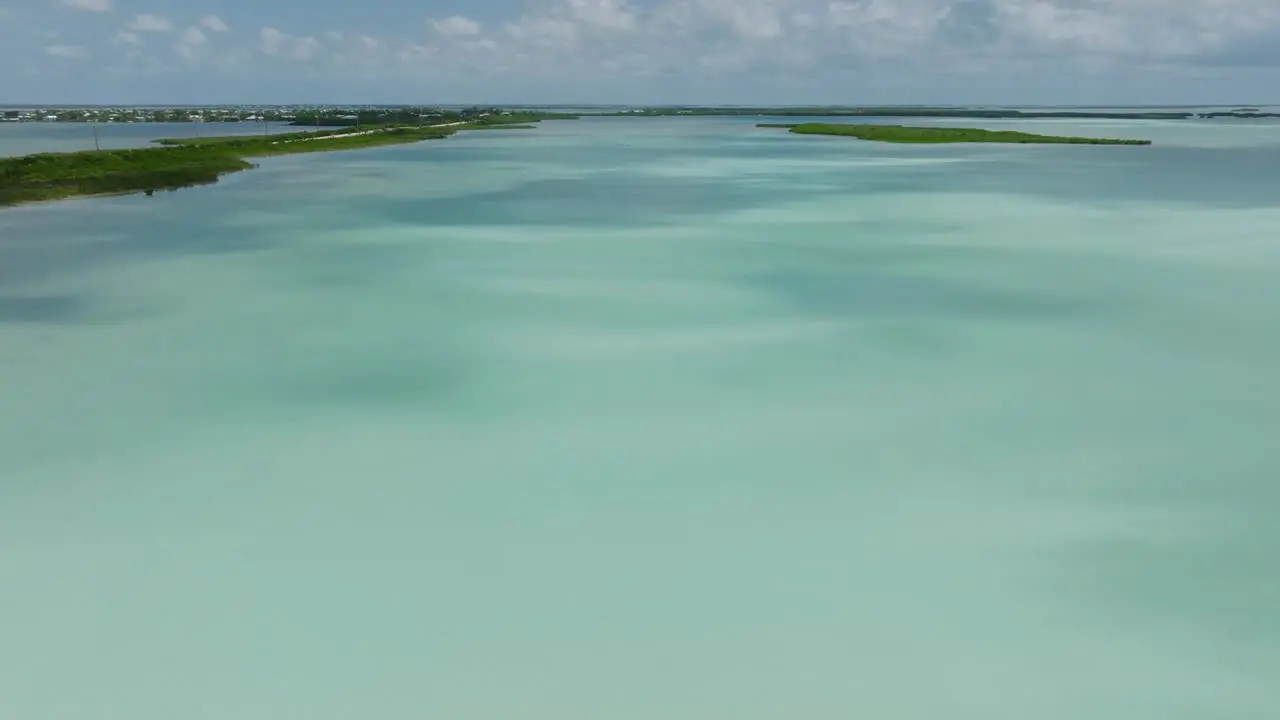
x: 640, y: 51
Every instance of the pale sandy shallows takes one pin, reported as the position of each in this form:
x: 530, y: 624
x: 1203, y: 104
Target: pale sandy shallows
x: 651, y: 419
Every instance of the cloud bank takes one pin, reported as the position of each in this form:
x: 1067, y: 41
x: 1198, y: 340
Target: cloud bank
x: 739, y: 51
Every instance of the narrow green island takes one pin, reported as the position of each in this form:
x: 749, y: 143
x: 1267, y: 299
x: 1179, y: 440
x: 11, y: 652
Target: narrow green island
x: 182, y: 163
x: 928, y: 135
x: 940, y: 112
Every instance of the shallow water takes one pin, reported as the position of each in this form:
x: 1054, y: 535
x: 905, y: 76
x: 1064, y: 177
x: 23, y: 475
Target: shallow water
x: 25, y: 138
x: 651, y: 418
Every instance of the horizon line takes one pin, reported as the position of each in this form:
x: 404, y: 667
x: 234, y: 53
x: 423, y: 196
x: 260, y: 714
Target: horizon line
x: 634, y: 105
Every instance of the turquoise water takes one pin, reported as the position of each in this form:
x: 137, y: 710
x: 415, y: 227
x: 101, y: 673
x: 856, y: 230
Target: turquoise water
x: 36, y: 137
x: 669, y: 418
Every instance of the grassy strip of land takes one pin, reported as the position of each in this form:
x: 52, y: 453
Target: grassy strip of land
x: 51, y: 176
x: 905, y: 134
x: 407, y: 117
x: 180, y: 163
x: 940, y: 112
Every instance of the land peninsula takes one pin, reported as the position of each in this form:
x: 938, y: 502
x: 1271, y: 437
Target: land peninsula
x: 187, y: 162
x: 937, y: 135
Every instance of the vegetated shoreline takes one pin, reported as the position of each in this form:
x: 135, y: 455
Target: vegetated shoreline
x: 189, y: 162
x: 936, y: 112
x: 939, y: 135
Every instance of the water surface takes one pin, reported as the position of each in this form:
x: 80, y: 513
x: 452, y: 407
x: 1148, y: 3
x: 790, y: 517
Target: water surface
x: 652, y: 418
x: 25, y: 138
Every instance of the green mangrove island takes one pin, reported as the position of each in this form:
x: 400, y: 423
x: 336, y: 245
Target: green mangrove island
x: 181, y: 163
x: 906, y: 134
x: 939, y: 112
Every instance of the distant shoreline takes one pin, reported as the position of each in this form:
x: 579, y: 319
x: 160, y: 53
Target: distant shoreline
x: 935, y: 112
x: 940, y: 135
x: 213, y: 115
x: 190, y: 162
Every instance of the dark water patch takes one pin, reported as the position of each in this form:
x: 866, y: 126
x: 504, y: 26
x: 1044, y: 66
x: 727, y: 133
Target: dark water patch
x: 390, y: 382
x: 629, y: 199
x: 353, y: 265
x: 44, y: 309
x: 55, y: 241
x: 69, y: 251
x: 1202, y: 578
x: 892, y: 294
x: 422, y: 370
x: 73, y: 309
x: 603, y: 200
x: 587, y: 155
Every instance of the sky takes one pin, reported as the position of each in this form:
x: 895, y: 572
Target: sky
x: 1084, y: 52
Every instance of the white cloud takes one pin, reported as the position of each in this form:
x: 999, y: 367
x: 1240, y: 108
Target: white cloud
x: 815, y: 47
x: 304, y: 48
x: 358, y: 54
x: 749, y: 19
x: 273, y: 42
x: 803, y: 20
x: 193, y: 36
x: 213, y: 23
x: 884, y: 27
x: 190, y: 44
x: 543, y: 31
x: 607, y: 14
x: 560, y: 40
x: 1166, y: 29
x: 146, y: 22
x: 594, y: 47
x: 455, y: 26
x: 90, y: 5
x: 270, y: 40
x: 66, y: 51
x: 741, y: 33
x: 566, y: 22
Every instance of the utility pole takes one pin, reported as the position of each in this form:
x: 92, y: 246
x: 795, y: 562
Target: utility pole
x: 95, y: 137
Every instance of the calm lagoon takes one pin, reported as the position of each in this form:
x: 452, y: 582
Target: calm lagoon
x: 25, y: 138
x: 636, y: 419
